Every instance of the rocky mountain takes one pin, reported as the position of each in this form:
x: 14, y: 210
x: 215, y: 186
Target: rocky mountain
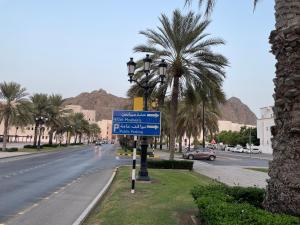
x: 101, y: 101
x: 104, y: 103
x: 236, y: 111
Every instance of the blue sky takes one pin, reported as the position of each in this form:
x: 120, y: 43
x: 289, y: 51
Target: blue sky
x: 74, y: 46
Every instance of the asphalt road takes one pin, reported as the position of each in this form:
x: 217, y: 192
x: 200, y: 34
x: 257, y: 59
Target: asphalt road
x: 240, y: 159
x: 26, y: 182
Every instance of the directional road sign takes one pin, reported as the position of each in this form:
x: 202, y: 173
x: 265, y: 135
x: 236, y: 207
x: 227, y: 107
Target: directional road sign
x: 137, y: 123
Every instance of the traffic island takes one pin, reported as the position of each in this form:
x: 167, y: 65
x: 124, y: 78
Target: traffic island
x: 165, y: 201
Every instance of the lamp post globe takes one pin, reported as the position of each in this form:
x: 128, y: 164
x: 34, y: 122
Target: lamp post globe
x: 131, y: 68
x: 147, y: 63
x: 162, y: 68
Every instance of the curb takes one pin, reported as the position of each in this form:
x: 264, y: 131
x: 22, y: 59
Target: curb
x: 129, y: 155
x: 91, y: 206
x: 33, y: 153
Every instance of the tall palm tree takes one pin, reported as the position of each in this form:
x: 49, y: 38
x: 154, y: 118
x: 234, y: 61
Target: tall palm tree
x: 283, y: 186
x: 40, y: 107
x: 14, y: 104
x: 181, y: 41
x: 56, y: 114
x: 94, y: 131
x: 79, y: 125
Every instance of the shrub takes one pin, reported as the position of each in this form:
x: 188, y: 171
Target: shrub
x: 251, y: 195
x: 31, y: 146
x: 171, y: 164
x: 12, y: 149
x: 52, y: 146
x: 222, y: 205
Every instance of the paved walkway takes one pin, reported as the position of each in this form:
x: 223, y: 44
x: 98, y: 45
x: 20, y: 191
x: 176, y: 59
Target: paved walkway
x: 230, y: 175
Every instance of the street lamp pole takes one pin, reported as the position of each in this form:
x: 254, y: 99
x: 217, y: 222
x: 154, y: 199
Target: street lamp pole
x: 143, y: 173
x: 41, y: 120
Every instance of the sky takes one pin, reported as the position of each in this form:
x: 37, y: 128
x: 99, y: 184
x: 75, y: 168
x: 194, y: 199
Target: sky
x: 73, y: 46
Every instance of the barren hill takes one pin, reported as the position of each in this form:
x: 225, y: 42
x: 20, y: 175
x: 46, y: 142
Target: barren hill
x: 104, y: 103
x: 101, y: 101
x: 236, y: 111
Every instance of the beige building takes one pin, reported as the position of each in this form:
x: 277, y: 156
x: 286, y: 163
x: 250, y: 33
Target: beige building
x: 26, y: 134
x: 106, y: 129
x: 89, y: 115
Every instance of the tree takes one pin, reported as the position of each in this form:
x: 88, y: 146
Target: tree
x: 14, y: 105
x: 283, y: 192
x: 40, y: 107
x: 94, y: 131
x: 56, y: 113
x: 181, y: 41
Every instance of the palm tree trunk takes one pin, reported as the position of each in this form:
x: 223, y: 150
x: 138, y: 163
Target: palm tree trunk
x: 189, y: 143
x: 283, y: 190
x: 75, y: 141
x: 174, y: 107
x: 180, y: 144
x: 5, y: 132
x: 51, y: 137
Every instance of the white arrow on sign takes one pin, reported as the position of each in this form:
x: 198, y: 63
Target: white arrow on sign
x: 153, y: 126
x: 153, y: 115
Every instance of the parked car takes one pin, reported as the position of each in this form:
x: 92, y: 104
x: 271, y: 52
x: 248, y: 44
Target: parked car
x: 200, y: 153
x: 238, y: 148
x: 254, y: 150
x: 229, y: 147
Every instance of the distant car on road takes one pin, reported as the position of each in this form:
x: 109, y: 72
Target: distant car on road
x: 229, y: 147
x: 238, y: 148
x: 254, y: 150
x: 200, y: 153
x: 97, y: 143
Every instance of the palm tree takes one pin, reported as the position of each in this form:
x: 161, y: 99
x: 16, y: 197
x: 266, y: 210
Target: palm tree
x: 14, y: 105
x: 40, y: 107
x: 182, y: 42
x: 283, y: 186
x: 56, y: 114
x: 94, y: 131
x: 79, y: 124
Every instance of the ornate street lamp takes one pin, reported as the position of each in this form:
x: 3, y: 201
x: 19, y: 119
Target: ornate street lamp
x: 162, y: 69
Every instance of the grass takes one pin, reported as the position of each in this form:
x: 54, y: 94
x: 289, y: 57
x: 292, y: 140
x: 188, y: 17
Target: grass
x: 265, y: 170
x: 164, y: 201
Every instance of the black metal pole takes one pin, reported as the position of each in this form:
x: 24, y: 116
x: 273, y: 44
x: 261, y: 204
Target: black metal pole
x: 39, y: 141
x: 203, y: 126
x: 143, y: 173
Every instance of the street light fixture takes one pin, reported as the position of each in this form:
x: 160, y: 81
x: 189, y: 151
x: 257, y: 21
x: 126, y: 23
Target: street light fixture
x: 162, y: 69
x: 40, y: 120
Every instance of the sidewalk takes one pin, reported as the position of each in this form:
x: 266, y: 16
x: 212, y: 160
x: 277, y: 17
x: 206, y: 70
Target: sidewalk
x: 230, y: 175
x: 12, y: 154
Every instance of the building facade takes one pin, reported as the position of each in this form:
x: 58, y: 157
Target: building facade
x: 26, y: 134
x: 106, y: 129
x: 264, y: 125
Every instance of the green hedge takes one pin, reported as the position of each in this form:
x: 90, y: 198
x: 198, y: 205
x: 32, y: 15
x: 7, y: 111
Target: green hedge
x: 171, y: 164
x: 10, y: 149
x: 223, y: 205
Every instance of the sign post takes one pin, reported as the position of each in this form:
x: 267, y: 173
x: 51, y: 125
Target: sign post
x: 138, y: 123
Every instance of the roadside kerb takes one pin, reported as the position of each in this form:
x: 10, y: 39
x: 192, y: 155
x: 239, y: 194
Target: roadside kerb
x: 39, y: 153
x: 92, y: 205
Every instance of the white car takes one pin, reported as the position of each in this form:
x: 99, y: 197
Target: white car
x: 238, y: 148
x: 254, y: 150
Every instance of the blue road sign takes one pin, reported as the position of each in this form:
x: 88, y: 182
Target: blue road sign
x: 137, y: 123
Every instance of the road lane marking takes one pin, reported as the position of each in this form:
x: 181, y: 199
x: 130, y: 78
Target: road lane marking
x: 28, y: 209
